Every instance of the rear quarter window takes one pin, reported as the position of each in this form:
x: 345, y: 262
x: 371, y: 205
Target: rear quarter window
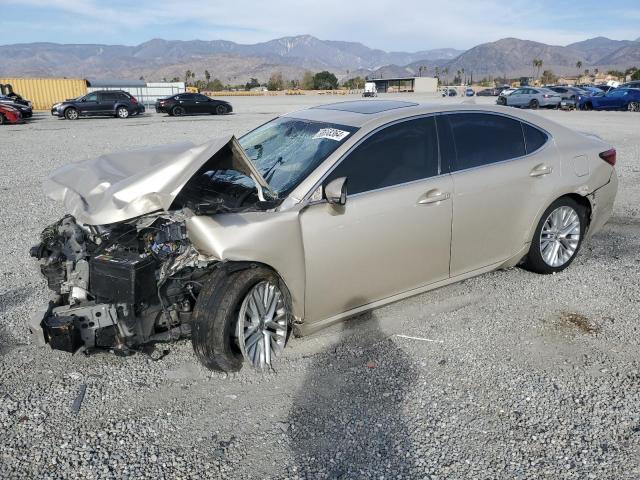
x: 534, y: 138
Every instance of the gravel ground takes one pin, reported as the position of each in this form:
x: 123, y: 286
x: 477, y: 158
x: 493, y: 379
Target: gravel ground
x: 514, y: 376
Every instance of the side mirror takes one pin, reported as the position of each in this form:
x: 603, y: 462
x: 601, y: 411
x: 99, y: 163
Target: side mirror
x: 336, y: 191
x: 83, y: 100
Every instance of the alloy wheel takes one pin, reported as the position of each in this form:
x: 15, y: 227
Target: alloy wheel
x: 123, y: 112
x: 71, y: 114
x: 263, y: 324
x: 221, y: 110
x: 560, y: 236
x: 178, y: 111
x: 634, y: 107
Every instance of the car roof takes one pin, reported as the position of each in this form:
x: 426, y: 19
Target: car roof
x: 346, y: 116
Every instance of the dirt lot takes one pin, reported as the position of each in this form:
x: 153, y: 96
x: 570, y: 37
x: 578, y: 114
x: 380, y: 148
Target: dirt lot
x: 511, y: 375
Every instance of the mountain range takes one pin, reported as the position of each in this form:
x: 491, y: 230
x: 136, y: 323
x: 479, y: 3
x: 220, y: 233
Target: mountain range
x: 235, y: 63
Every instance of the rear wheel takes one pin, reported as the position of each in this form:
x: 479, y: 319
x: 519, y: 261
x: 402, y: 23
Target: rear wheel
x: 502, y: 101
x: 221, y: 110
x: 558, y: 237
x: 122, y: 112
x: 633, y: 107
x: 241, y: 315
x: 177, y: 111
x: 534, y: 104
x: 71, y: 114
x: 2, y: 120
x: 588, y: 106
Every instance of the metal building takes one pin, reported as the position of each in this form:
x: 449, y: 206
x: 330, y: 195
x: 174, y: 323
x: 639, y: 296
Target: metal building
x: 146, y: 93
x: 406, y: 84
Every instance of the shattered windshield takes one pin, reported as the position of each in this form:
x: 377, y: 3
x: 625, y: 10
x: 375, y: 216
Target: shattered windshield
x: 286, y: 150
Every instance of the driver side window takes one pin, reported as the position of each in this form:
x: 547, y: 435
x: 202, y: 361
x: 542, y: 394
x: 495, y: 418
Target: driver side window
x: 397, y: 154
x: 92, y: 97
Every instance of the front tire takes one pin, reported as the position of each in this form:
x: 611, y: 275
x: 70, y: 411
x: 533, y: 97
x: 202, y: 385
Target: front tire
x: 71, y: 114
x: 221, y: 110
x: 177, y: 111
x: 2, y: 120
x: 534, y: 104
x: 219, y: 340
x: 558, y: 237
x: 633, y: 107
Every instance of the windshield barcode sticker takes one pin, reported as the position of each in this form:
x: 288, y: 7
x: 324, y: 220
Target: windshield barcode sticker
x: 331, y: 134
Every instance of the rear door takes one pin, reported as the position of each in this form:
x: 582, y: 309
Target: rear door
x: 518, y: 98
x: 393, y: 234
x: 202, y: 104
x: 106, y: 102
x: 500, y: 182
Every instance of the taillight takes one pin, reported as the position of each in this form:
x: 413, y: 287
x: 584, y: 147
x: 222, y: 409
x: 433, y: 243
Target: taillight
x: 133, y: 99
x: 609, y: 156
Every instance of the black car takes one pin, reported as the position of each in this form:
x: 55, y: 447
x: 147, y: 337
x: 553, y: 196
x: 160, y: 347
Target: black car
x: 22, y: 105
x: 192, y: 103
x: 488, y: 92
x: 114, y: 103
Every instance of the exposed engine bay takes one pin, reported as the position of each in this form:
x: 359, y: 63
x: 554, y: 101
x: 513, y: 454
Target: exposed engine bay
x: 122, y: 285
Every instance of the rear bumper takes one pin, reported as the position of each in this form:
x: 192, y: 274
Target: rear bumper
x: 602, y: 201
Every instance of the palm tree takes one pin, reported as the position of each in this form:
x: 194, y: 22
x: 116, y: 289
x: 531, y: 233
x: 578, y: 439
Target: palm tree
x: 187, y: 76
x: 437, y: 72
x: 465, y: 80
x: 578, y: 66
x: 445, y: 72
x: 537, y: 63
x: 207, y: 75
x: 458, y: 75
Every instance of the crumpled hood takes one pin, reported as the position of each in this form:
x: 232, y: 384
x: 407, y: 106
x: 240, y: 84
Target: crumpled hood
x: 120, y: 186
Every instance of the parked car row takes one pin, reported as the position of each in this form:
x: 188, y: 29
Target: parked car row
x: 624, y: 97
x: 121, y: 104
x: 14, y: 109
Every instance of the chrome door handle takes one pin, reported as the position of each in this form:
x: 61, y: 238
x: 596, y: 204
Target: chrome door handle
x: 540, y: 170
x: 434, y: 196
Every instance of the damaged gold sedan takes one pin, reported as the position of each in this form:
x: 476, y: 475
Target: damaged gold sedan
x: 238, y: 243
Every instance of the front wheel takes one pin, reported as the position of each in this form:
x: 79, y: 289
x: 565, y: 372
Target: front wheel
x: 71, y: 114
x: 2, y: 119
x: 558, y: 237
x: 633, y: 107
x: 242, y: 315
x: 221, y: 110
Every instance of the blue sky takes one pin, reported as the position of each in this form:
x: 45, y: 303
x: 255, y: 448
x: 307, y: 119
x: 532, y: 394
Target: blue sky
x: 390, y: 25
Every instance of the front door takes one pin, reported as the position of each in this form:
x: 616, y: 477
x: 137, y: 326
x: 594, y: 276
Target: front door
x: 89, y: 104
x: 393, y: 234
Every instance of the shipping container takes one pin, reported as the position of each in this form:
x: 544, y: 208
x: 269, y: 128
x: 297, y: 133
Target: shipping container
x: 44, y: 92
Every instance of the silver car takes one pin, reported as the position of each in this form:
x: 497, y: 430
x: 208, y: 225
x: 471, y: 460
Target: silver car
x: 532, y: 97
x: 311, y: 218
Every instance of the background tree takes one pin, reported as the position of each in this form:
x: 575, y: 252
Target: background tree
x: 207, y: 75
x: 325, y: 81
x: 275, y: 82
x: 537, y: 63
x: 187, y: 77
x: 616, y: 73
x: 354, y: 83
x: 307, y: 81
x: 252, y: 83
x: 445, y: 73
x: 578, y: 66
x: 548, y: 77
x: 216, y: 85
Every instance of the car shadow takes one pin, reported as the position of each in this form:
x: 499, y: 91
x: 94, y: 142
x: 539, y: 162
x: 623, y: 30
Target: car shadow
x: 347, y: 419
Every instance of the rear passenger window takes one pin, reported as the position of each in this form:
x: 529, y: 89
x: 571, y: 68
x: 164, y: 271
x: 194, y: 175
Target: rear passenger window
x: 483, y: 138
x: 108, y: 97
x: 533, y: 138
x: 397, y: 154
